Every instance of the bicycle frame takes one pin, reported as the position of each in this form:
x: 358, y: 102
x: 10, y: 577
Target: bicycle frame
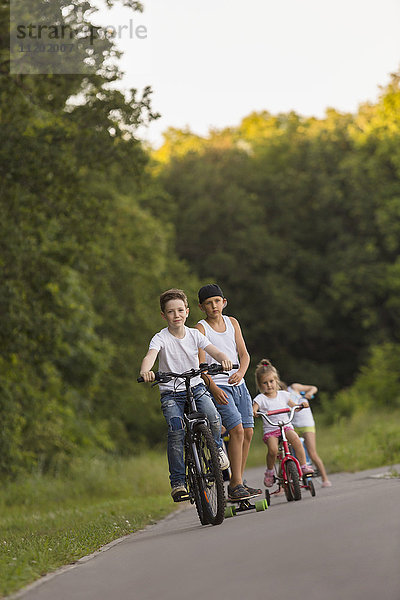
x: 284, y: 447
x: 192, y: 418
x: 283, y: 478
x: 203, y: 474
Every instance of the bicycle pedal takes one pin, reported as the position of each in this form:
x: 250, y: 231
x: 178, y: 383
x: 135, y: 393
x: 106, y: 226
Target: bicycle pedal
x: 181, y: 498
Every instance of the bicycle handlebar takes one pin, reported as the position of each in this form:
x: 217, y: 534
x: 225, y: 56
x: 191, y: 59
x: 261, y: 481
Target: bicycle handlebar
x: 164, y: 377
x: 304, y: 394
x: 280, y: 411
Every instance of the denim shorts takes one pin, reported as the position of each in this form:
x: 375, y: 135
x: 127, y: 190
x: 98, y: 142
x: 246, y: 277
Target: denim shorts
x: 240, y: 407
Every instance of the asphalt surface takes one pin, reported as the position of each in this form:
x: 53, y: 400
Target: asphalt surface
x: 343, y: 544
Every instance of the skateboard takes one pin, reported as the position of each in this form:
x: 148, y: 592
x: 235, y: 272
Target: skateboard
x: 244, y: 505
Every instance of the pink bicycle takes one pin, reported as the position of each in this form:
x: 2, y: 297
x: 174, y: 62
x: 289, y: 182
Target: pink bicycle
x: 288, y: 473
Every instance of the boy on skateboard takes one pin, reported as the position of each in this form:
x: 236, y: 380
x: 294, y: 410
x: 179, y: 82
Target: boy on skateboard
x: 231, y: 396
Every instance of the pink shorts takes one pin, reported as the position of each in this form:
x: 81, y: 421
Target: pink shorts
x: 276, y: 432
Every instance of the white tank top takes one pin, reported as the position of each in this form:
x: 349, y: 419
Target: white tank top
x: 224, y: 341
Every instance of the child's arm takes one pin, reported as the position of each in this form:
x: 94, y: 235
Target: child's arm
x: 304, y: 404
x: 256, y: 408
x: 244, y: 357
x: 310, y: 390
x: 147, y: 363
x: 219, y: 395
x: 219, y: 357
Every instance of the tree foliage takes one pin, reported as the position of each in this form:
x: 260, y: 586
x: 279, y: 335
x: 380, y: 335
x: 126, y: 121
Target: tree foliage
x: 296, y: 218
x: 82, y: 264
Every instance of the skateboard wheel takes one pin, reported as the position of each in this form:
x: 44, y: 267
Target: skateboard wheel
x: 230, y: 512
x: 261, y: 505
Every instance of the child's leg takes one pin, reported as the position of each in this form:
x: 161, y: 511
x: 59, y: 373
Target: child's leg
x: 205, y: 404
x: 248, y: 435
x: 309, y: 440
x: 244, y: 404
x: 172, y: 407
x: 294, y: 439
x: 232, y: 420
x: 272, y: 445
x: 235, y: 449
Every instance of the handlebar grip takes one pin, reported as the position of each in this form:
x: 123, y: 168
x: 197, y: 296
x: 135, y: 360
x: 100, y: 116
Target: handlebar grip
x: 304, y: 393
x: 235, y: 366
x: 140, y: 380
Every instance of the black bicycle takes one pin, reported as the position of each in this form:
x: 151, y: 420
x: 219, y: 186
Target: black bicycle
x: 204, y: 479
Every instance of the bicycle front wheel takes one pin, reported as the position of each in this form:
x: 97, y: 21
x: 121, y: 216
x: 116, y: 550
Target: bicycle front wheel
x: 193, y: 481
x: 292, y: 486
x: 210, y: 480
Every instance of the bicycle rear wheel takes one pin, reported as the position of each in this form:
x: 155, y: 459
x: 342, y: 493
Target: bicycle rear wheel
x: 310, y: 485
x: 210, y: 480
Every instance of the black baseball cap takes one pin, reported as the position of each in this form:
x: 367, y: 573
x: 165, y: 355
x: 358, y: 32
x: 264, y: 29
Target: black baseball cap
x: 209, y: 291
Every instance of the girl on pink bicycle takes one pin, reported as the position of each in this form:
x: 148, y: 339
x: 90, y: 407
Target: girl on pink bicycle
x: 271, y: 397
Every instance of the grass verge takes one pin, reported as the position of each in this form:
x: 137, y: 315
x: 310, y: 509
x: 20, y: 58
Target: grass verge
x: 352, y: 444
x: 49, y: 522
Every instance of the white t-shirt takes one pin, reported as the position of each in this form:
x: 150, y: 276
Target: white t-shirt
x: 266, y: 404
x: 178, y: 355
x: 224, y: 341
x: 302, y: 418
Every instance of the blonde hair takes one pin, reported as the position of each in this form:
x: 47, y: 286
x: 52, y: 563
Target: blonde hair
x: 265, y: 367
x: 172, y: 294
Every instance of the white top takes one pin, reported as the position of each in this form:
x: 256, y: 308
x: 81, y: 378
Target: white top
x: 178, y: 355
x: 302, y: 418
x: 224, y: 341
x: 266, y: 404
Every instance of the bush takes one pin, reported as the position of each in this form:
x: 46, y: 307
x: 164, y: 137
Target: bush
x: 376, y: 386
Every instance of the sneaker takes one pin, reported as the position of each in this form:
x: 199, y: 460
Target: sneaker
x: 268, y: 478
x: 223, y: 459
x: 179, y: 492
x: 307, y: 470
x: 326, y: 484
x: 252, y: 491
x: 238, y: 493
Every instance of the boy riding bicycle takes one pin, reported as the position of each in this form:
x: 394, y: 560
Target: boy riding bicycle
x: 177, y: 348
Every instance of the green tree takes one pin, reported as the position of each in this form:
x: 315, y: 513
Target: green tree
x: 81, y: 264
x: 297, y: 219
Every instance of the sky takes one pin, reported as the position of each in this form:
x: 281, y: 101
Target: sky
x: 212, y: 62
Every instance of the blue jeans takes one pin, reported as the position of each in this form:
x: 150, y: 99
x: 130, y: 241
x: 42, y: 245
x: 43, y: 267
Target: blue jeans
x: 172, y: 405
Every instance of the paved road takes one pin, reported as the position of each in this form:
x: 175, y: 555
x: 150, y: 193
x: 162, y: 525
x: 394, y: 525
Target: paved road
x: 344, y: 544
